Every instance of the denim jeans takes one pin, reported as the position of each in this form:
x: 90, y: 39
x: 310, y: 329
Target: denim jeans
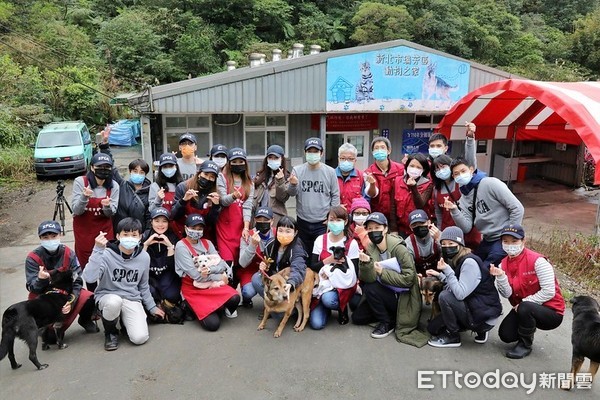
x: 257, y: 285
x: 490, y: 252
x: 248, y: 291
x: 320, y: 314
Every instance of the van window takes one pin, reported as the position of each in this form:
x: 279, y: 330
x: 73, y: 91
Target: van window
x: 59, y: 139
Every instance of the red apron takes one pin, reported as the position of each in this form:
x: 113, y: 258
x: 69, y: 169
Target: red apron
x: 244, y: 275
x: 88, y: 225
x: 178, y: 225
x: 344, y: 294
x: 229, y: 230
x: 167, y: 204
x: 204, y: 301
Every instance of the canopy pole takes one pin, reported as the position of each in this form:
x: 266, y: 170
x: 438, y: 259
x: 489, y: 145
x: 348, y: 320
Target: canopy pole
x: 598, y: 220
x: 510, y: 161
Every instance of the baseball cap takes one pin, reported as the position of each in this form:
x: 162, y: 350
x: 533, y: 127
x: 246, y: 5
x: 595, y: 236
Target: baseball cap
x: 167, y: 158
x: 377, y: 217
x: 49, y: 227
x: 236, y: 153
x: 417, y: 216
x: 217, y: 149
x: 275, y: 150
x: 194, y: 219
x: 264, y: 212
x: 187, y: 136
x: 313, y: 142
x: 209, y: 166
x: 101, y: 159
x: 160, y: 212
x: 453, y: 233
x: 514, y: 230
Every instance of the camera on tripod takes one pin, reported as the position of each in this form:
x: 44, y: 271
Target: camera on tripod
x: 61, y: 202
x: 60, y: 187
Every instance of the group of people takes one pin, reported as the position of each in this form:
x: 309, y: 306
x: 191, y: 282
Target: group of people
x: 205, y: 228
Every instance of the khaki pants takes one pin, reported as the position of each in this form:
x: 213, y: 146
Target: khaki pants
x: 133, y: 316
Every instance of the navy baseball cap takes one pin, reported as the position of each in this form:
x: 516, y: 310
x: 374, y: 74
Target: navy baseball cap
x: 101, y: 159
x: 160, y: 212
x: 187, y: 136
x: 49, y: 227
x: 236, y: 153
x: 275, y: 150
x: 417, y: 216
x: 514, y: 230
x: 264, y: 212
x: 377, y: 217
x: 194, y: 219
x: 218, y: 149
x: 209, y: 166
x: 167, y: 158
x: 313, y: 142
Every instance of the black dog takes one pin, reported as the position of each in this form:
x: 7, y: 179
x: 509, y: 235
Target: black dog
x: 339, y: 252
x: 585, y: 337
x: 25, y: 319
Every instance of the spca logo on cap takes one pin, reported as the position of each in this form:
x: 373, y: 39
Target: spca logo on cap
x: 237, y: 153
x: 220, y: 148
x: 415, y: 216
x: 49, y: 225
x: 103, y: 158
x: 212, y: 165
x: 313, y: 141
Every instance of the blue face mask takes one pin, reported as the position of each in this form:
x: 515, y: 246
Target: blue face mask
x: 443, y: 173
x: 380, y: 154
x: 128, y: 242
x: 346, y: 166
x: 313, y: 158
x: 51, y: 244
x: 169, y: 172
x: 137, y: 178
x: 435, y: 152
x: 274, y: 164
x: 464, y: 178
x: 335, y: 227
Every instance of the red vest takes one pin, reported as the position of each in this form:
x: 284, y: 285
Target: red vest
x: 523, y: 280
x: 422, y: 264
x: 385, y: 182
x: 405, y: 204
x: 473, y: 238
x: 350, y: 188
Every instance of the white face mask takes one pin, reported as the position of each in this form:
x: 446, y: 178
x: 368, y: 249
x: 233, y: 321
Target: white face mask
x: 414, y: 172
x: 220, y: 161
x: 512, y: 249
x: 51, y: 244
x: 359, y: 219
x: 129, y: 242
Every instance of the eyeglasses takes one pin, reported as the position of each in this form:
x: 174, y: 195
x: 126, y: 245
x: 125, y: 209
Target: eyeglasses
x: 362, y: 214
x: 347, y: 159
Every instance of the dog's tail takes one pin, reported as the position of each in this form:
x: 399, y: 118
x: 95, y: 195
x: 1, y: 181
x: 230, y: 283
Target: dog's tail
x: 10, y: 315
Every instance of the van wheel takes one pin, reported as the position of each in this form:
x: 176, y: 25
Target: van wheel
x: 40, y: 177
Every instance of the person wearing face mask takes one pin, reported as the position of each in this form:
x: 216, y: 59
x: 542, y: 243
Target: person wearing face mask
x: 121, y: 268
x: 162, y: 190
x: 423, y: 242
x: 469, y: 299
x: 384, y: 171
x: 252, y: 253
x: 218, y: 155
x: 95, y: 202
x: 485, y: 203
x: 353, y: 183
x: 412, y: 191
x: 198, y: 195
x: 527, y: 280
x: 286, y: 250
x: 316, y: 189
x: 359, y: 211
x: 270, y: 183
x: 209, y: 305
x: 336, y: 286
x: 134, y: 194
x: 188, y: 163
x: 236, y: 192
x: 390, y: 298
x: 44, y: 261
x: 438, y: 143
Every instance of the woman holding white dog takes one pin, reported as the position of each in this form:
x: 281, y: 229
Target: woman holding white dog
x: 337, y: 276
x: 209, y: 304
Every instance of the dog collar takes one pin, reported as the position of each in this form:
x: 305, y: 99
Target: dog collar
x: 58, y: 291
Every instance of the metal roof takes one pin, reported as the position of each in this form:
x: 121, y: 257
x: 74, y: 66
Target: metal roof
x: 295, y: 85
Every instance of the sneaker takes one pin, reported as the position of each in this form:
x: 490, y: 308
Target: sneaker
x: 111, y: 342
x: 445, y: 340
x: 230, y: 314
x: 481, y: 337
x: 247, y: 304
x: 382, y: 330
x: 89, y: 326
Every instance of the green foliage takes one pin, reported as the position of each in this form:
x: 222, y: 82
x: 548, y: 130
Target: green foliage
x: 194, y: 52
x: 376, y: 22
x: 585, y: 42
x: 6, y: 11
x: 16, y: 164
x: 72, y: 92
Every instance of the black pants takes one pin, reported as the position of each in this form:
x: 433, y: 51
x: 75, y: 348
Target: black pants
x: 454, y: 317
x: 529, y: 315
x: 212, y: 321
x: 379, y: 304
x: 309, y: 231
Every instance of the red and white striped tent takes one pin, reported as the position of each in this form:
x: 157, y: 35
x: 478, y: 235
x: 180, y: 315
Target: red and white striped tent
x: 565, y: 112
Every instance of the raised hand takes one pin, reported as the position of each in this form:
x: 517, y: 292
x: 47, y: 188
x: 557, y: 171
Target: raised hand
x: 101, y: 240
x: 88, y: 192
x: 105, y: 202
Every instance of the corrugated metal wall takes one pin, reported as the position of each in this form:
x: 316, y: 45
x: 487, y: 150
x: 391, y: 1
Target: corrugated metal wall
x: 298, y: 131
x: 396, y: 123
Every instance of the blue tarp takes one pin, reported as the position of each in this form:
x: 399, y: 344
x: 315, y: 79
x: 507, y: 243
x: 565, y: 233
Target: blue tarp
x: 124, y: 132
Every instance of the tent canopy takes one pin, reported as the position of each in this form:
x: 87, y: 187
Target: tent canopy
x: 562, y: 112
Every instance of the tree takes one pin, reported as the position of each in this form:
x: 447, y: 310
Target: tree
x: 585, y: 43
x: 73, y: 92
x: 377, y: 22
x: 194, y: 52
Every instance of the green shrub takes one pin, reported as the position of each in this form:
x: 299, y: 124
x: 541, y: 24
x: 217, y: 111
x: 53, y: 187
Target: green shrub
x: 16, y: 165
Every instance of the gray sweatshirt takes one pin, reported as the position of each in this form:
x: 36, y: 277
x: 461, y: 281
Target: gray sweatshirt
x: 184, y: 263
x: 496, y: 206
x: 227, y: 199
x: 80, y: 202
x: 125, y: 277
x: 187, y: 169
x: 316, y: 192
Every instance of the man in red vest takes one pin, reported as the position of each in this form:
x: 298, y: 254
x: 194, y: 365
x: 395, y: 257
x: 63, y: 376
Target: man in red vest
x: 353, y: 183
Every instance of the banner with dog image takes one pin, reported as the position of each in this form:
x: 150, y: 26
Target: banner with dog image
x: 395, y: 79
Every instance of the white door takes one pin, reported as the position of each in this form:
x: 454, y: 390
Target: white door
x: 360, y: 140
x: 483, y: 155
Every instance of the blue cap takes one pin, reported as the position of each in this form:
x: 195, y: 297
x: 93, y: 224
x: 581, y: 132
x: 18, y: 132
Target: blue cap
x: 378, y: 218
x: 218, y: 149
x: 209, y: 166
x: 514, y: 230
x: 236, y: 153
x: 101, y: 159
x: 264, y: 212
x: 417, y: 216
x: 187, y: 136
x: 194, y: 219
x: 313, y: 142
x: 167, y: 158
x: 275, y: 150
x: 49, y: 226
x: 160, y: 212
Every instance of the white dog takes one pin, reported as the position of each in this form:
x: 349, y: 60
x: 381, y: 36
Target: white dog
x: 209, y: 263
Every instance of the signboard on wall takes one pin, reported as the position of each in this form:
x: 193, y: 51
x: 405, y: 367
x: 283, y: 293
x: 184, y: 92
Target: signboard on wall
x: 417, y: 141
x: 395, y: 79
x: 345, y: 122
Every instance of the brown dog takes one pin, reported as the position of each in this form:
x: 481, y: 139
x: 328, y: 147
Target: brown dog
x: 278, y: 300
x: 585, y: 336
x: 431, y: 287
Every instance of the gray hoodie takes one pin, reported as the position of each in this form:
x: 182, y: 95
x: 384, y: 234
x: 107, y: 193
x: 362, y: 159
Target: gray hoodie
x: 125, y: 277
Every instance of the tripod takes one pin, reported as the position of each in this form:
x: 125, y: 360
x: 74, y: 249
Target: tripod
x: 59, y: 205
